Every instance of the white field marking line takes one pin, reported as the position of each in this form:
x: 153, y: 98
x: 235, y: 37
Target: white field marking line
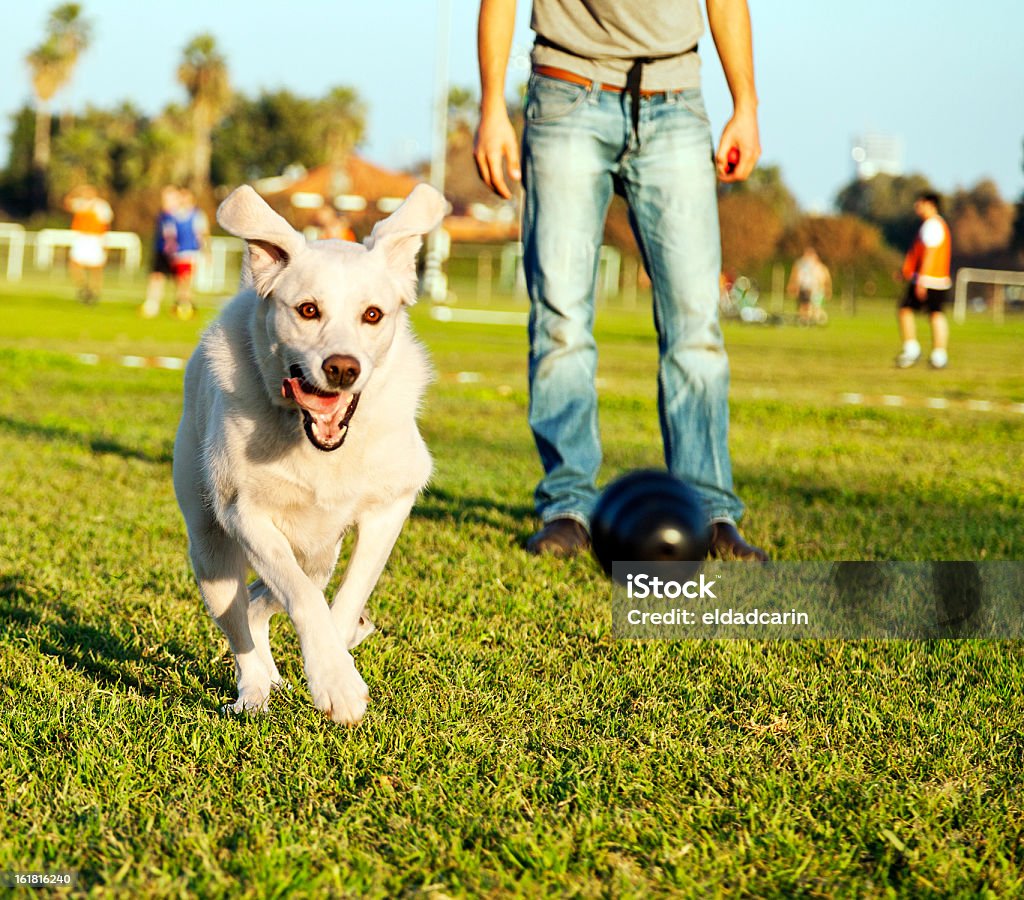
x: 895, y: 400
x: 177, y: 364
x: 478, y: 316
x: 172, y: 363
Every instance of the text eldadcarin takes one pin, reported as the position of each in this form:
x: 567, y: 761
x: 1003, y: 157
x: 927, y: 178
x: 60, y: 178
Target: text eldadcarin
x: 645, y: 586
x: 832, y: 600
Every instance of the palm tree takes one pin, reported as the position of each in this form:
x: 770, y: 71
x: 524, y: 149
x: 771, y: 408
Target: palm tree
x: 52, y: 64
x: 344, y: 123
x: 204, y: 74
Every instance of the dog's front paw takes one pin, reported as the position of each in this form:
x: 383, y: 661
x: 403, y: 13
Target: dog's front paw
x: 339, y: 690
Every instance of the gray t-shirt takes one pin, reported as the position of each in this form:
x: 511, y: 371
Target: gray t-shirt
x: 600, y: 39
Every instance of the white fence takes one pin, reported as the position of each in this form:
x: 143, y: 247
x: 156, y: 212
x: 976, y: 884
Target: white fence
x: 50, y: 239
x: 215, y: 270
x: 14, y: 237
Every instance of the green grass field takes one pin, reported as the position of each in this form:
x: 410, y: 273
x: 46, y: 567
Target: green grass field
x: 512, y: 747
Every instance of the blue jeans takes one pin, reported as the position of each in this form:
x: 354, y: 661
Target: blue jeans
x: 578, y: 147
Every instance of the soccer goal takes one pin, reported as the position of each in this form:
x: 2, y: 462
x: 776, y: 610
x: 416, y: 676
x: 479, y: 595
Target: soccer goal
x: 1002, y: 278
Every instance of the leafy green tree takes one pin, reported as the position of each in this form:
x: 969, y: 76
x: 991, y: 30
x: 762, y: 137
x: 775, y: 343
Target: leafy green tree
x: 1018, y: 224
x: 83, y: 154
x: 119, y: 150
x: 766, y: 183
x: 980, y: 219
x: 52, y: 64
x: 751, y: 230
x: 846, y: 244
x: 16, y: 183
x: 261, y: 136
x: 204, y: 74
x: 888, y: 202
x: 342, y: 114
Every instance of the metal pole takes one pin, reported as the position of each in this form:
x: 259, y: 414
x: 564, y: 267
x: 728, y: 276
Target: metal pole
x: 435, y: 282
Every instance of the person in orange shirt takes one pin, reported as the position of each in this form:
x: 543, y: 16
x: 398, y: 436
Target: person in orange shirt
x: 327, y: 224
x: 91, y: 216
x: 926, y: 271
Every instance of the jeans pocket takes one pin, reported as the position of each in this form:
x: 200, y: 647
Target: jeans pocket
x: 548, y: 99
x: 692, y: 100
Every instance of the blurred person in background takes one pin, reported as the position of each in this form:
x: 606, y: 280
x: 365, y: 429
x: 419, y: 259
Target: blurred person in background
x: 810, y: 283
x: 193, y: 231
x: 926, y: 271
x: 91, y: 216
x: 328, y: 225
x: 165, y: 244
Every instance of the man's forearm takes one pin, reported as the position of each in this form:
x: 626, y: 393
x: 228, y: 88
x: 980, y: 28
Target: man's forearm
x: 494, y: 44
x: 729, y: 21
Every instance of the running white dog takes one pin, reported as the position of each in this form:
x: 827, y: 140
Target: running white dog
x: 298, y: 423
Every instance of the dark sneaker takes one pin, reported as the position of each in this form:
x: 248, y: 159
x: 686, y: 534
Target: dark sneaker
x: 560, y: 537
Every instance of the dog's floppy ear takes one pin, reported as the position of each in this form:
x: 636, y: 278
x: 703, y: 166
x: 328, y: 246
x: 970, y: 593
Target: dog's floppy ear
x: 400, y: 235
x: 271, y: 241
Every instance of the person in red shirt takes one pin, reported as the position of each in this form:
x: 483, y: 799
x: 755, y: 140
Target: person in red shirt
x: 926, y: 271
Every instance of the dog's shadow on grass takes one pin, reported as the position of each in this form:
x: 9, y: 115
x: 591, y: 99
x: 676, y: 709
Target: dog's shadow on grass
x: 94, y: 443
x: 439, y: 505
x: 97, y: 652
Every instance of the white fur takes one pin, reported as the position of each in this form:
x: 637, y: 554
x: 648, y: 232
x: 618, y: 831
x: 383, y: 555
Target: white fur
x: 255, y: 492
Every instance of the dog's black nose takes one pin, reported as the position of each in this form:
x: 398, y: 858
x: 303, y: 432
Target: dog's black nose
x: 341, y: 371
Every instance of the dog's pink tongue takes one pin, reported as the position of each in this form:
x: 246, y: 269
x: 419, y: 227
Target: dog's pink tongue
x: 327, y: 411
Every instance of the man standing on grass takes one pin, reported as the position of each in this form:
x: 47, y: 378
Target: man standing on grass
x: 926, y: 271
x: 614, y: 104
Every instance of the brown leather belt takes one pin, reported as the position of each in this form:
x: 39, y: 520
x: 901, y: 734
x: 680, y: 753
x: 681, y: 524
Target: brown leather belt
x: 573, y: 78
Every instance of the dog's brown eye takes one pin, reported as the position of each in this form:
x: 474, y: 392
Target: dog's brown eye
x: 308, y: 310
x: 372, y: 315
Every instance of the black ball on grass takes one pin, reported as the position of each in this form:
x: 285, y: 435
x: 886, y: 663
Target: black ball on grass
x: 651, y: 516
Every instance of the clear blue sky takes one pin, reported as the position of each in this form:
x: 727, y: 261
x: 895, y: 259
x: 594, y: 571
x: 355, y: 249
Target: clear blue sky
x: 945, y: 76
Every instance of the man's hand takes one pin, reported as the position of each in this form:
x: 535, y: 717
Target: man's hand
x: 740, y: 134
x: 494, y: 145
x: 920, y: 291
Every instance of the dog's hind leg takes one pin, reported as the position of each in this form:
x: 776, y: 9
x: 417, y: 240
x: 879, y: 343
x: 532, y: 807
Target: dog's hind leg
x: 220, y: 568
x: 263, y: 605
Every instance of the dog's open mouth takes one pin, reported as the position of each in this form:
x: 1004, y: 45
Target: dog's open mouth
x: 325, y: 415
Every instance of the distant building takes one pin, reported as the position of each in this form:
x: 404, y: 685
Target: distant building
x: 364, y: 193
x: 875, y: 153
